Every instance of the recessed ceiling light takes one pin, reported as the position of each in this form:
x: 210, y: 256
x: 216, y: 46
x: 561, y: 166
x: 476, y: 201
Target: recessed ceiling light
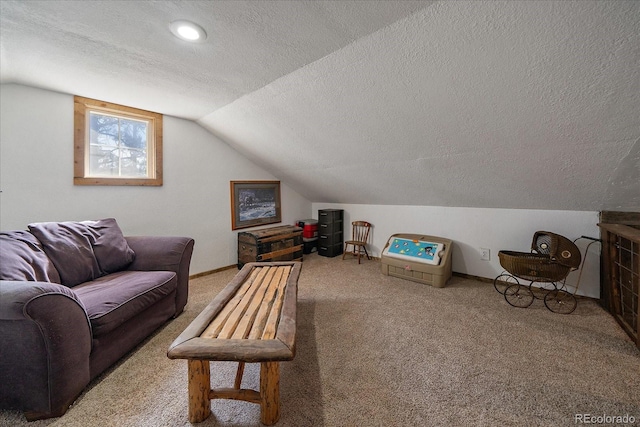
x: 188, y: 31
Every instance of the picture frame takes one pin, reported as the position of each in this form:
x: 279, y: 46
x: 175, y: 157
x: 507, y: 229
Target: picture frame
x: 255, y: 203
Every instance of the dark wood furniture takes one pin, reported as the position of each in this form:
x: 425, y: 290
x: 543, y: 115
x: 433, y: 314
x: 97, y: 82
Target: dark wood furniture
x: 620, y: 278
x: 281, y: 243
x: 253, y: 319
x: 359, y: 239
x: 330, y: 232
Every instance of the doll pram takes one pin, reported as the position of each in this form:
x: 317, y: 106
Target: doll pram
x: 550, y: 261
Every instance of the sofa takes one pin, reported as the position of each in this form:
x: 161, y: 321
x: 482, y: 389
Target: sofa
x: 75, y: 297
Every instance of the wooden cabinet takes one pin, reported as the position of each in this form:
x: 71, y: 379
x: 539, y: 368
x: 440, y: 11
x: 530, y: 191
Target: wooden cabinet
x: 330, y: 232
x: 621, y: 275
x: 282, y: 243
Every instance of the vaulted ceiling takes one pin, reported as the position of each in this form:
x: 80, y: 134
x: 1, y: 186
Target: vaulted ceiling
x: 532, y: 104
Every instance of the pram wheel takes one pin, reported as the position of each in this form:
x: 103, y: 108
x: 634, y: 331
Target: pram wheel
x: 503, y: 281
x: 518, y: 296
x: 560, y: 301
x: 539, y: 292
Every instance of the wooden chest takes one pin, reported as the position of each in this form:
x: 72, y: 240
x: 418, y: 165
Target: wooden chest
x: 282, y: 243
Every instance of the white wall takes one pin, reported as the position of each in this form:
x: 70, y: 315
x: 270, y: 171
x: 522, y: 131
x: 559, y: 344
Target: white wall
x: 36, y: 179
x: 475, y: 228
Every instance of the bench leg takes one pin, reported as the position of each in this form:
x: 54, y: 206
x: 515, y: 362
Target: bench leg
x: 269, y: 392
x: 239, y: 373
x: 199, y: 386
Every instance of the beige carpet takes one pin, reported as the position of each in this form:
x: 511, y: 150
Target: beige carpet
x: 380, y: 351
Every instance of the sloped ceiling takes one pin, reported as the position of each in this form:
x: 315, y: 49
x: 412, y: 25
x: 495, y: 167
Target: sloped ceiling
x: 527, y: 104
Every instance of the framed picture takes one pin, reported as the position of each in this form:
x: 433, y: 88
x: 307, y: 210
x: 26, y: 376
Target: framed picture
x: 255, y: 203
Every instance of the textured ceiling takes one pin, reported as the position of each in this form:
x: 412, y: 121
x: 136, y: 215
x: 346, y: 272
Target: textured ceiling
x: 481, y: 104
x: 123, y: 51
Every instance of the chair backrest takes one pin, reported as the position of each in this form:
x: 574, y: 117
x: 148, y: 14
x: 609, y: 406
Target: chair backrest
x: 559, y: 248
x: 360, y: 231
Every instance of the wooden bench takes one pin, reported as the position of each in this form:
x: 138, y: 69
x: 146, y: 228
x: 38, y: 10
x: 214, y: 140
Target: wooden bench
x: 253, y: 319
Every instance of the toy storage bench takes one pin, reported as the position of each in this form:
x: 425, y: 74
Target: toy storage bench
x: 420, y: 258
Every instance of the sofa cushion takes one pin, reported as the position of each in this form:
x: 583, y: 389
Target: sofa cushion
x: 113, y: 299
x: 23, y: 258
x: 68, y: 245
x: 110, y: 247
x: 83, y: 251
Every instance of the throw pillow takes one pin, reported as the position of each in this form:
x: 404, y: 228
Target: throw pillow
x: 109, y: 245
x: 69, y: 246
x: 23, y: 258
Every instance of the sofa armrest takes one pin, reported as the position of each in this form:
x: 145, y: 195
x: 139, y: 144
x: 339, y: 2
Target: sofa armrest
x: 46, y: 343
x: 167, y: 254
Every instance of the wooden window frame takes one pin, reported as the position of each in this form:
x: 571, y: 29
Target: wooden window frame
x: 82, y: 106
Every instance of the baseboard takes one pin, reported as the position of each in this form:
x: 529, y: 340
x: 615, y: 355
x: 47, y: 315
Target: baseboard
x: 471, y: 276
x: 373, y: 258
x: 217, y: 270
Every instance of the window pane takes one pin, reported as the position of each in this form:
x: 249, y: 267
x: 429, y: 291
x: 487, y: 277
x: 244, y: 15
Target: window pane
x: 133, y: 134
x: 117, y: 147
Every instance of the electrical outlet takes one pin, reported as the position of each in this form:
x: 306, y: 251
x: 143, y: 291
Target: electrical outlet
x: 485, y: 254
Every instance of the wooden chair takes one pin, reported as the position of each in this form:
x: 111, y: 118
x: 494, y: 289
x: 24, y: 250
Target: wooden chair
x: 359, y: 238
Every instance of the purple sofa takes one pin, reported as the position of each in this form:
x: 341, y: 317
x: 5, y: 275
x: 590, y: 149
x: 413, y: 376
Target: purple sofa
x: 74, y: 298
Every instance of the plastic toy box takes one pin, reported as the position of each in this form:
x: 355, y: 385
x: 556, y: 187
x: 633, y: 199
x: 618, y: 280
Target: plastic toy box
x: 420, y: 258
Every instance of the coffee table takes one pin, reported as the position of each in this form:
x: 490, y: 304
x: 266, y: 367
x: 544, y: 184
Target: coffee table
x: 253, y: 319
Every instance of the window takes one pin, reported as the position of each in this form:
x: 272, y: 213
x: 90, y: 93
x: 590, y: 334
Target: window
x: 116, y: 145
